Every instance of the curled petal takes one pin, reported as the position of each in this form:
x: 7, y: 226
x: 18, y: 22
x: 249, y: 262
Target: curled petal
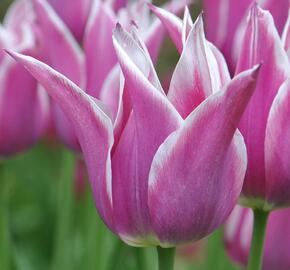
x: 152, y: 120
x: 100, y: 56
x: 277, y: 149
x: 201, y: 161
x: 260, y: 44
x: 92, y: 127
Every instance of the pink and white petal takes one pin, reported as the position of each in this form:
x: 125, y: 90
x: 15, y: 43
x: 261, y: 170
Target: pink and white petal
x: 237, y: 234
x: 187, y: 25
x: 100, y: 56
x: 23, y: 110
x: 204, y: 159
x: 133, y: 46
x: 152, y: 120
x: 92, y: 127
x: 260, y: 44
x: 112, y: 91
x: 222, y: 18
x: 19, y: 12
x: 58, y: 43
x: 197, y: 73
x: 224, y: 73
x: 74, y: 14
x: 277, y: 149
x: 172, y: 23
x: 279, y: 10
x: 286, y: 36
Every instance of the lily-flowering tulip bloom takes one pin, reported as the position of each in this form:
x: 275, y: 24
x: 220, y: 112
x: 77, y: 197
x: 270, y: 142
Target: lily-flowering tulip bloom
x: 264, y: 124
x: 223, y: 19
x: 23, y: 109
x: 166, y: 180
x: 94, y: 67
x: 238, y: 235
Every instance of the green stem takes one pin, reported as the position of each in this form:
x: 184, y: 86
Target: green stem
x: 140, y: 258
x: 4, y: 223
x: 62, y: 257
x: 258, y: 238
x: 165, y: 258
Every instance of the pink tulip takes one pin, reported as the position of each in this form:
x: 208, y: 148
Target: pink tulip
x: 23, y: 109
x: 238, y: 235
x: 264, y: 124
x: 151, y: 186
x: 96, y: 63
x: 223, y: 18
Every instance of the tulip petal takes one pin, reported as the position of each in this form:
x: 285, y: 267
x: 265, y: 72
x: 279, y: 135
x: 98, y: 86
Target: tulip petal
x: 74, y: 14
x: 277, y: 149
x: 197, y: 74
x: 23, y: 109
x: 279, y: 10
x: 152, y: 120
x: 260, y: 43
x: 201, y: 161
x: 59, y: 44
x: 286, y: 36
x: 92, y: 127
x: 99, y: 52
x: 172, y: 23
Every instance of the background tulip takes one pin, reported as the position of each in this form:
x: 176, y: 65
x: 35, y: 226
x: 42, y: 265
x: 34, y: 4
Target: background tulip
x: 257, y: 124
x: 223, y: 20
x: 23, y: 109
x: 238, y: 234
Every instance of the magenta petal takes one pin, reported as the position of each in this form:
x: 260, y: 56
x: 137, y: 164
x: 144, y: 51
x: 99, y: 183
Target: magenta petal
x: 23, y: 109
x: 201, y: 161
x: 74, y: 14
x: 198, y: 73
x: 58, y: 43
x: 277, y: 149
x: 222, y: 18
x: 92, y: 127
x: 99, y: 52
x: 260, y: 44
x: 279, y: 10
x: 152, y: 120
x: 286, y: 36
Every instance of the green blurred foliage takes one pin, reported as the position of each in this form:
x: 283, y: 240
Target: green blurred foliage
x: 3, y: 7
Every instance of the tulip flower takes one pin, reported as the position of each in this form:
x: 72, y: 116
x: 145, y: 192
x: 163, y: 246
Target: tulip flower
x: 152, y: 186
x: 223, y: 19
x: 91, y: 67
x: 265, y: 186
x: 238, y: 234
x: 23, y: 109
